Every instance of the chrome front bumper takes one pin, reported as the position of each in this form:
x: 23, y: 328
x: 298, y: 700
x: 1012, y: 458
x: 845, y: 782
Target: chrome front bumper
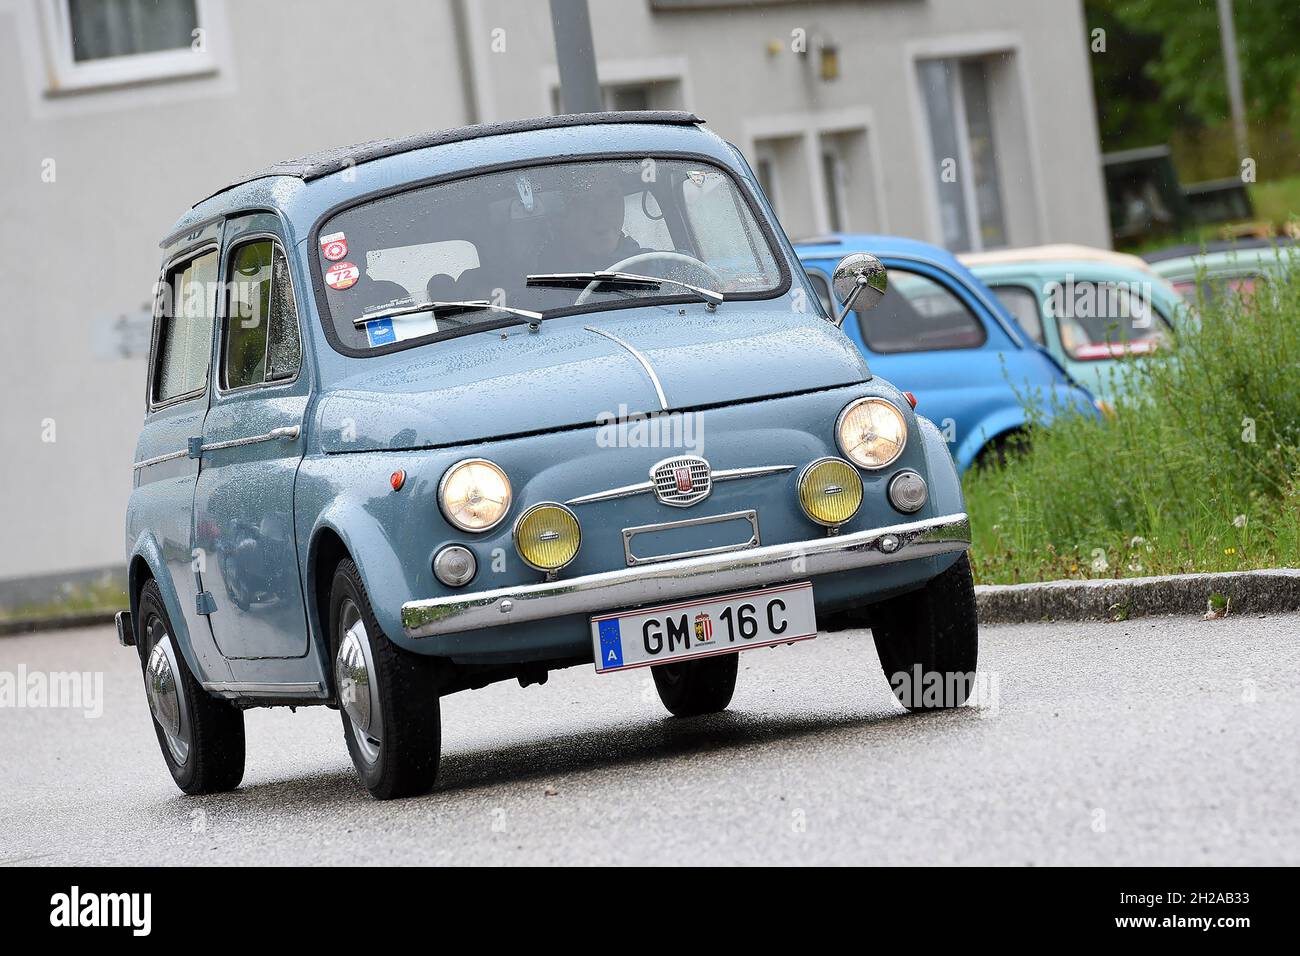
x: 688, y: 577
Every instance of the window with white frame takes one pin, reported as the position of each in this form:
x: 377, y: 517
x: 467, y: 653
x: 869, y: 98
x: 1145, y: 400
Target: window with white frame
x: 97, y: 43
x: 960, y: 118
x: 662, y: 94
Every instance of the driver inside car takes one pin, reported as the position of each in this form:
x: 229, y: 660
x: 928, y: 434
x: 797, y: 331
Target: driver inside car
x: 590, y: 232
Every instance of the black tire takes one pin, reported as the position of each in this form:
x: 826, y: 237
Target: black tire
x: 691, y: 688
x: 405, y: 762
x: 215, y: 761
x: 928, y: 640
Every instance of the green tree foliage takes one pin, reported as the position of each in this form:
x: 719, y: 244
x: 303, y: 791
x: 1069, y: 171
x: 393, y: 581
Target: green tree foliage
x: 1163, y: 65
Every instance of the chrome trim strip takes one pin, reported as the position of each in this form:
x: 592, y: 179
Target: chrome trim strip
x: 641, y: 487
x: 687, y: 577
x: 727, y: 474
x: 159, y: 459
x: 262, y: 689
x: 630, y: 533
x: 645, y: 363
x: 286, y: 432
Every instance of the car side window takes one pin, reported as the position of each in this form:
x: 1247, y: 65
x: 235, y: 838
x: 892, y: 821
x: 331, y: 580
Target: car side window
x: 917, y: 314
x: 823, y: 291
x: 184, y: 343
x: 1024, y: 306
x: 261, y: 341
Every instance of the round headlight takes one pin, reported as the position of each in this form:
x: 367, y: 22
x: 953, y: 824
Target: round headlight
x: 474, y: 494
x: 830, y: 491
x: 871, y: 432
x: 547, y: 536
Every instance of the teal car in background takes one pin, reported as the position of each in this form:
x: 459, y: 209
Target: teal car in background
x: 1235, y: 266
x: 1091, y: 308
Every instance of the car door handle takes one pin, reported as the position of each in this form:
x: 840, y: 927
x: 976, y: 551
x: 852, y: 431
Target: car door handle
x: 283, y: 433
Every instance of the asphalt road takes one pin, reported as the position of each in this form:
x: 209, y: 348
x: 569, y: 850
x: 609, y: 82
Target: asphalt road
x: 1157, y: 741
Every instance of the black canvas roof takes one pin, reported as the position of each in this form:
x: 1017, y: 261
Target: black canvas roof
x: 338, y: 158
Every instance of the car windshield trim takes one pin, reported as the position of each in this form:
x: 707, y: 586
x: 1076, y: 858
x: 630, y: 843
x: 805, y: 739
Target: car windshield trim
x: 741, y: 182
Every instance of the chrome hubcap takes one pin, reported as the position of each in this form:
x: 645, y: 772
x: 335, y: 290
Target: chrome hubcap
x: 354, y: 676
x: 165, y: 692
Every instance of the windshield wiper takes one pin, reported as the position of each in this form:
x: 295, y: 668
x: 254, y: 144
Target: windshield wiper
x: 710, y: 297
x: 449, y: 308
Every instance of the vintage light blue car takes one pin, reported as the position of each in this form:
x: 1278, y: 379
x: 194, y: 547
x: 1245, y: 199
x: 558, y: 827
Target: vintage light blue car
x: 430, y: 413
x: 1206, y: 272
x: 1091, y: 308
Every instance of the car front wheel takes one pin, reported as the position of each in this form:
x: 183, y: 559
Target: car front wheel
x: 388, y: 697
x: 928, y: 640
x: 201, y: 736
x: 697, y: 687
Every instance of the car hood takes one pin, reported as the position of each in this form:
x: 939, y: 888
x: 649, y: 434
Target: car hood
x: 582, y: 371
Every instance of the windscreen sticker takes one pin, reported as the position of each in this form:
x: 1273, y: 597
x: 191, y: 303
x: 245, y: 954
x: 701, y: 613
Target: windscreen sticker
x: 380, y: 332
x: 342, y: 275
x: 387, y: 330
x: 334, y: 246
x: 695, y: 176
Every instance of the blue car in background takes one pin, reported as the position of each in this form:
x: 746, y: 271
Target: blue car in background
x: 942, y: 335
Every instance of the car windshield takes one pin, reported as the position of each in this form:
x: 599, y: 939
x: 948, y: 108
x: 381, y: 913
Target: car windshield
x: 1103, y: 320
x: 479, y: 239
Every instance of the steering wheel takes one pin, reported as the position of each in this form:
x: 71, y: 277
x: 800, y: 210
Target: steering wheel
x: 632, y: 264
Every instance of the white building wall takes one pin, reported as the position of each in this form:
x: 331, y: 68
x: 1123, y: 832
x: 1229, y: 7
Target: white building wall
x: 80, y: 252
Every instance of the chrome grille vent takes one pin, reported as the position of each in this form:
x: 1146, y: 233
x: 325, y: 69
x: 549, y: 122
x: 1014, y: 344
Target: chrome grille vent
x: 683, y: 481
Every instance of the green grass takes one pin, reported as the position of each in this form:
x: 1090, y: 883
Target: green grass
x: 1198, y: 470
x: 99, y: 596
x: 1277, y: 201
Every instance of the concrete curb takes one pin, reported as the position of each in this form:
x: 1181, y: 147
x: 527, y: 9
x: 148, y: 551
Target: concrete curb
x: 1272, y: 591
x: 57, y: 622
x: 1248, y: 592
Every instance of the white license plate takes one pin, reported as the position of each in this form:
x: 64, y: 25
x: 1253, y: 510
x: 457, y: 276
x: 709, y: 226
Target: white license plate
x: 722, y: 625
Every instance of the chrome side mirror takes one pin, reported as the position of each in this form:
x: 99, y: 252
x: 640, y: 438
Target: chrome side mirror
x: 859, y: 282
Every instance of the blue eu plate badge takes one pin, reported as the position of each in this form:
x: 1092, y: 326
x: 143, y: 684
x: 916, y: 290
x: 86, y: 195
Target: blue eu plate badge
x: 611, y: 644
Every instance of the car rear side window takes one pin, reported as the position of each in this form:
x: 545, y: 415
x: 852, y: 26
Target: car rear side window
x: 261, y: 337
x: 917, y: 314
x: 1024, y: 306
x: 185, y: 315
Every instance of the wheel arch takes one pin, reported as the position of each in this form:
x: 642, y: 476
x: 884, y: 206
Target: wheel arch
x: 988, y: 430
x: 147, y: 564
x: 328, y: 549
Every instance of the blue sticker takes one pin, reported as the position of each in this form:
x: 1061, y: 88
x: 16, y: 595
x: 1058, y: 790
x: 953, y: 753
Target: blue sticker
x: 380, y: 332
x: 611, y: 644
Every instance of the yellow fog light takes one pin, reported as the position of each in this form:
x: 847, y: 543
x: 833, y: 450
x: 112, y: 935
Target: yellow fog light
x: 547, y: 536
x: 830, y: 491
